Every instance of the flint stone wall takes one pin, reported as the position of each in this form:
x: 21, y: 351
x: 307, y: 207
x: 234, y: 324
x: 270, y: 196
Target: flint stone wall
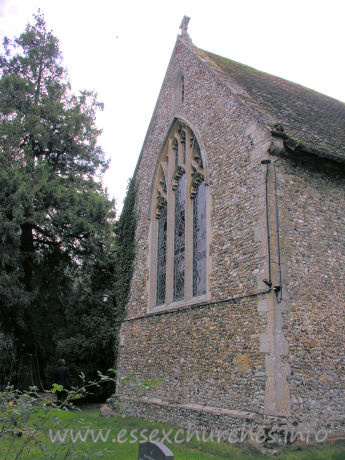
x: 312, y: 209
x: 209, y: 355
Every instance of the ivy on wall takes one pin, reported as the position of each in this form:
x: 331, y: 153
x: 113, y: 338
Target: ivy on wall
x: 125, y: 248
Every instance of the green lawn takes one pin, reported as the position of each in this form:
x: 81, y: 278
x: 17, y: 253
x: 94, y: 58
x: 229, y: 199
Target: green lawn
x: 126, y: 433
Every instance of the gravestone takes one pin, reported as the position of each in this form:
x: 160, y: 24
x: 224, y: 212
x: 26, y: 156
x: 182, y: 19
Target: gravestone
x: 154, y: 451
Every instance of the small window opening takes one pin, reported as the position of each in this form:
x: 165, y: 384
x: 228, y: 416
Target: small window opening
x: 182, y: 88
x: 179, y: 89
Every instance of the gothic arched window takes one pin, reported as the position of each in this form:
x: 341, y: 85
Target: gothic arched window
x: 178, y: 270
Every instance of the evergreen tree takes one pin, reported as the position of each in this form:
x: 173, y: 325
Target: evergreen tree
x: 56, y: 222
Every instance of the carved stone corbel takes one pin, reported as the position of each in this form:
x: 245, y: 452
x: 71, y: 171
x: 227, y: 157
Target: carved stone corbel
x: 197, y: 178
x: 197, y: 170
x: 179, y: 171
x: 161, y: 202
x: 196, y: 158
x: 174, y: 144
x: 161, y: 197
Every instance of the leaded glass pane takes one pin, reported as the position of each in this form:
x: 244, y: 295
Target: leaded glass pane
x: 199, y: 241
x: 161, y: 256
x: 179, y: 239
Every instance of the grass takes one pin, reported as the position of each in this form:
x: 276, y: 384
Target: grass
x: 120, y: 429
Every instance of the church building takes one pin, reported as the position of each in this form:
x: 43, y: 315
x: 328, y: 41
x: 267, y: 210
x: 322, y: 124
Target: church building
x: 237, y: 298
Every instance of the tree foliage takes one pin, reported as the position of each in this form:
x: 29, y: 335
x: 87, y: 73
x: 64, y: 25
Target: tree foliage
x: 56, y: 221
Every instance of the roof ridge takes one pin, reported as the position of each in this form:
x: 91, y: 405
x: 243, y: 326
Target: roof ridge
x: 268, y: 74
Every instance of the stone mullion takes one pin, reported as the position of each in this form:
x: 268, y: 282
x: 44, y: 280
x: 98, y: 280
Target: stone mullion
x: 189, y: 225
x: 170, y: 228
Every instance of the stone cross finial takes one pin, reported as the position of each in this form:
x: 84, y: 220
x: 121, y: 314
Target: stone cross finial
x: 184, y: 25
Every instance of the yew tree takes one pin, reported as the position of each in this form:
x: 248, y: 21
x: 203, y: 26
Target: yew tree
x: 55, y: 217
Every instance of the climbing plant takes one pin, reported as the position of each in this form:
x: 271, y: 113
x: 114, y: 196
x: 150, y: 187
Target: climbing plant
x: 125, y: 248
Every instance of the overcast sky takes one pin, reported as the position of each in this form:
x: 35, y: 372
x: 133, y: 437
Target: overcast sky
x: 122, y: 49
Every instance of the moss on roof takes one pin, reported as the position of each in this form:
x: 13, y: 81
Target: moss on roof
x: 307, y: 116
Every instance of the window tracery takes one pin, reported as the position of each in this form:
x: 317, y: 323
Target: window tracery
x: 179, y: 236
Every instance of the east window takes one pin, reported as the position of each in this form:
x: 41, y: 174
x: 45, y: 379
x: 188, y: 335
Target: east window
x: 178, y: 267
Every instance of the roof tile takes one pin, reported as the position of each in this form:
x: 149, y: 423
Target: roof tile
x: 307, y: 116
